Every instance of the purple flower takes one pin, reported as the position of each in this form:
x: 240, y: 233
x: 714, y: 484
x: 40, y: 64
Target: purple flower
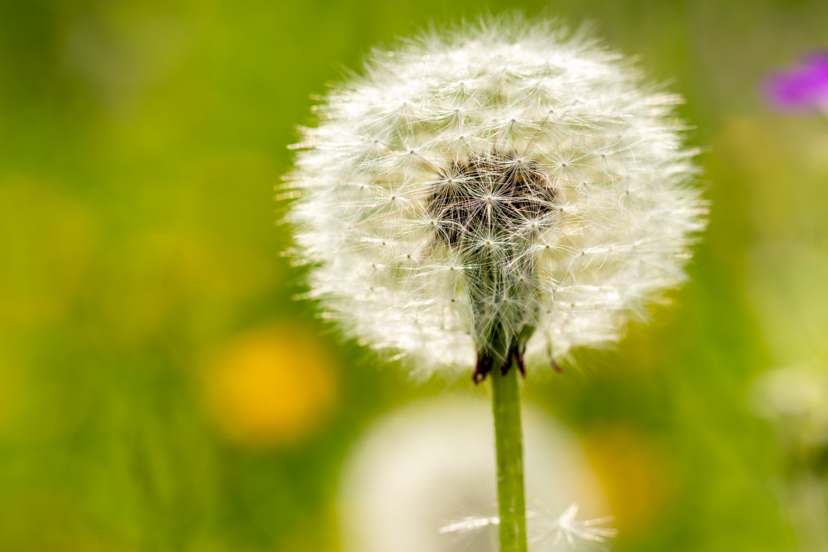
x: 801, y: 88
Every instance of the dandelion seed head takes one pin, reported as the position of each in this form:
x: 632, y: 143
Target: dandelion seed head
x: 471, y: 148
x: 423, y: 477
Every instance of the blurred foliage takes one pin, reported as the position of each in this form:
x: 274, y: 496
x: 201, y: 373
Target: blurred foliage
x: 141, y: 278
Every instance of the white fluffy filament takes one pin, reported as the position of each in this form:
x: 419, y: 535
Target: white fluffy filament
x: 612, y: 233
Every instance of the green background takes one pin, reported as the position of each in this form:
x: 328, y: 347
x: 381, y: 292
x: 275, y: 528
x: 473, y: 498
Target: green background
x: 140, y: 142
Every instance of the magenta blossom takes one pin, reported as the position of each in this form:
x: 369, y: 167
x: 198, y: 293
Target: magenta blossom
x: 801, y: 88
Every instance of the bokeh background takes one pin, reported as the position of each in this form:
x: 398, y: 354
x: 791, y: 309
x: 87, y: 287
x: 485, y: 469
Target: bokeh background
x: 160, y: 388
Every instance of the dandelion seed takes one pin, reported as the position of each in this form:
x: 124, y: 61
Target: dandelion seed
x: 472, y: 199
x: 564, y: 532
x: 547, y: 531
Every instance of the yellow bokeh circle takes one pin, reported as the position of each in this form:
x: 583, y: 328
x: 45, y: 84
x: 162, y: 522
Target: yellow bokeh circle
x: 272, y: 386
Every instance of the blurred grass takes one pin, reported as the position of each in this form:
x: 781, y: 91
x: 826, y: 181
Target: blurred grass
x: 139, y: 146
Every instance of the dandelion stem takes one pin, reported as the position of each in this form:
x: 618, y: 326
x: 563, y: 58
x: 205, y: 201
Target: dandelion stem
x: 509, y: 446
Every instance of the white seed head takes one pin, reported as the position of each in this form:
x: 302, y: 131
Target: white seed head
x: 423, y: 478
x: 501, y: 185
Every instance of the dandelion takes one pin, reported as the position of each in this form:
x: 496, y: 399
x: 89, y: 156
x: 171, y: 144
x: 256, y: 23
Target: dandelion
x: 422, y: 478
x: 498, y: 188
x: 505, y: 189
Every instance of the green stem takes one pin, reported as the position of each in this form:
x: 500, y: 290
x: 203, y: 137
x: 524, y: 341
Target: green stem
x: 509, y: 445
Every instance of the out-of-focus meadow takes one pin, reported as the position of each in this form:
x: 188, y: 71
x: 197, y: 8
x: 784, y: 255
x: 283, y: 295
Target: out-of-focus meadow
x: 161, y: 390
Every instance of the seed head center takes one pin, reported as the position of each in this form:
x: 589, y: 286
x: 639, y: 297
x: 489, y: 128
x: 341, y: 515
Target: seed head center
x: 522, y: 188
